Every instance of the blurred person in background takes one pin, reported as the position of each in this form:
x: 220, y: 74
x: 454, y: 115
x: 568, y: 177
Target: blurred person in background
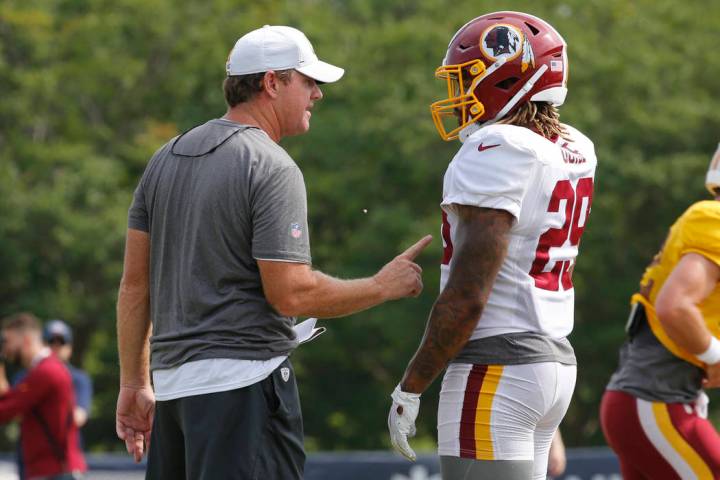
x: 217, y: 260
x: 516, y: 200
x: 43, y: 400
x: 654, y: 410
x: 59, y: 337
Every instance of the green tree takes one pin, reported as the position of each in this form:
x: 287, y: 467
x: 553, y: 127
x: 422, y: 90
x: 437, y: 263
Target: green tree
x: 91, y: 88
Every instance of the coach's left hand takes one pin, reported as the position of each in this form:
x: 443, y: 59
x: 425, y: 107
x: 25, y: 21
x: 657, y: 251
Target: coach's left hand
x: 401, y: 421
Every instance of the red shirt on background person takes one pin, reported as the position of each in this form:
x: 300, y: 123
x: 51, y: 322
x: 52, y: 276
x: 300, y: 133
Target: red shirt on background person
x: 46, y: 392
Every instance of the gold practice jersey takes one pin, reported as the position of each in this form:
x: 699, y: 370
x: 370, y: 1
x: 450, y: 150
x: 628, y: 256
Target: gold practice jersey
x: 696, y: 231
x: 652, y: 367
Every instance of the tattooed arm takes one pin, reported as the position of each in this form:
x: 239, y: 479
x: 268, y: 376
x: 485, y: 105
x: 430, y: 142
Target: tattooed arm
x: 480, y: 246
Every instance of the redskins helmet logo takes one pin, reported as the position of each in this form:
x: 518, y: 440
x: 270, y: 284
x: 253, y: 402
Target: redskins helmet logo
x: 501, y: 41
x: 507, y: 42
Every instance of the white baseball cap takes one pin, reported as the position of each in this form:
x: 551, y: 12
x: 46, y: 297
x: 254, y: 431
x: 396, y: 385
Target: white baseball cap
x: 279, y: 48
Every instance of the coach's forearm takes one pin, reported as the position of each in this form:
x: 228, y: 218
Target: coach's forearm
x: 133, y: 331
x: 295, y: 289
x: 327, y: 297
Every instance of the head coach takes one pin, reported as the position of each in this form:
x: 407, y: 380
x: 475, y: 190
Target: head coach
x: 217, y: 266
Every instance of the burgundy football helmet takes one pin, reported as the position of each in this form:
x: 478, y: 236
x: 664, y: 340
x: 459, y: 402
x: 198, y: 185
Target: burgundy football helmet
x: 496, y: 63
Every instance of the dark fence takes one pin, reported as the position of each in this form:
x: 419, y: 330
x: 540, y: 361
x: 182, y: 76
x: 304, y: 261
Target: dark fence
x: 583, y: 464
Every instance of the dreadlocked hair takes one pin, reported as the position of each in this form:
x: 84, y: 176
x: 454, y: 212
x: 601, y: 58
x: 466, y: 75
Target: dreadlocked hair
x: 542, y: 117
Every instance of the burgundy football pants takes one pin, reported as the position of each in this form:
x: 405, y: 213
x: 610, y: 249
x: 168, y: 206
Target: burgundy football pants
x: 656, y: 440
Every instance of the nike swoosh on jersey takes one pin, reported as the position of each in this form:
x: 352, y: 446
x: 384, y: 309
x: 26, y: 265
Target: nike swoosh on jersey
x: 482, y: 147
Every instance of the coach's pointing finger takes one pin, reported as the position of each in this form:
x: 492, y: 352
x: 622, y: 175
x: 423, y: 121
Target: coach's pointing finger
x: 402, y: 277
x: 415, y: 250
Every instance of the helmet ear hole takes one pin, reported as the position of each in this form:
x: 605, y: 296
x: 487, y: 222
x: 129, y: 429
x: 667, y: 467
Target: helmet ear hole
x: 532, y: 28
x: 507, y: 83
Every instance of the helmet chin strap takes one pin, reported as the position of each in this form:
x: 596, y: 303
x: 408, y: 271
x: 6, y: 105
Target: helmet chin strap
x: 469, y: 130
x: 475, y: 126
x: 520, y: 94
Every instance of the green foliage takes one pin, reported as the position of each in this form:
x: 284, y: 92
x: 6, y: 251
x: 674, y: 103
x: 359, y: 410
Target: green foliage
x: 92, y: 87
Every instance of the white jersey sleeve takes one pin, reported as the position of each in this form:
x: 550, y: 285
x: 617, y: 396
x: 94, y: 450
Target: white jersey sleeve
x: 491, y: 170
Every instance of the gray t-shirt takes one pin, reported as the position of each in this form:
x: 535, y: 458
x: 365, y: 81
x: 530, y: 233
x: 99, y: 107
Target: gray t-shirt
x: 517, y: 349
x: 649, y: 371
x: 215, y: 200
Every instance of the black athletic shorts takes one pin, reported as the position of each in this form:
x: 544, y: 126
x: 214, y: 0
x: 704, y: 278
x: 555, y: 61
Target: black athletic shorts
x: 249, y: 433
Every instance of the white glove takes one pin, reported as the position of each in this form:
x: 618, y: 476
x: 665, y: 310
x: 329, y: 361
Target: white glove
x: 401, y: 421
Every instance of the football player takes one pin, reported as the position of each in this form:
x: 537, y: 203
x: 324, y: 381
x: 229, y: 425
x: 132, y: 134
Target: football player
x: 516, y: 200
x: 654, y: 411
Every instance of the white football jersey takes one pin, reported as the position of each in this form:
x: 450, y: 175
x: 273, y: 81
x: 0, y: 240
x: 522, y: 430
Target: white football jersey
x: 547, y: 186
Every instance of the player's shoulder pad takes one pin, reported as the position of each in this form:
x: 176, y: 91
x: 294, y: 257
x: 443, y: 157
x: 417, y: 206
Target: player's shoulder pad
x: 506, y: 143
x: 700, y: 229
x: 578, y: 137
x: 707, y: 211
x: 508, y: 137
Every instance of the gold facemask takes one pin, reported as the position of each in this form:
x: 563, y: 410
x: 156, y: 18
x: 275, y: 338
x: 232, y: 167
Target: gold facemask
x: 461, y: 102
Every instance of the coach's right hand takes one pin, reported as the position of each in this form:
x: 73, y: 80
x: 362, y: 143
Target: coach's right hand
x: 402, y: 277
x: 134, y: 418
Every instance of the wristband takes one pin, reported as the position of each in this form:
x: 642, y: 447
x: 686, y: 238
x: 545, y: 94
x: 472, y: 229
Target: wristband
x: 712, y: 354
x: 403, y: 398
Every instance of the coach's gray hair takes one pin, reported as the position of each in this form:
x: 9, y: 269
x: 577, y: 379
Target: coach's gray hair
x: 241, y: 88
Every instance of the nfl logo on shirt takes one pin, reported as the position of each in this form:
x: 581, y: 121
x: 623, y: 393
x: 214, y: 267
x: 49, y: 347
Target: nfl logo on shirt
x: 285, y: 374
x: 295, y: 230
